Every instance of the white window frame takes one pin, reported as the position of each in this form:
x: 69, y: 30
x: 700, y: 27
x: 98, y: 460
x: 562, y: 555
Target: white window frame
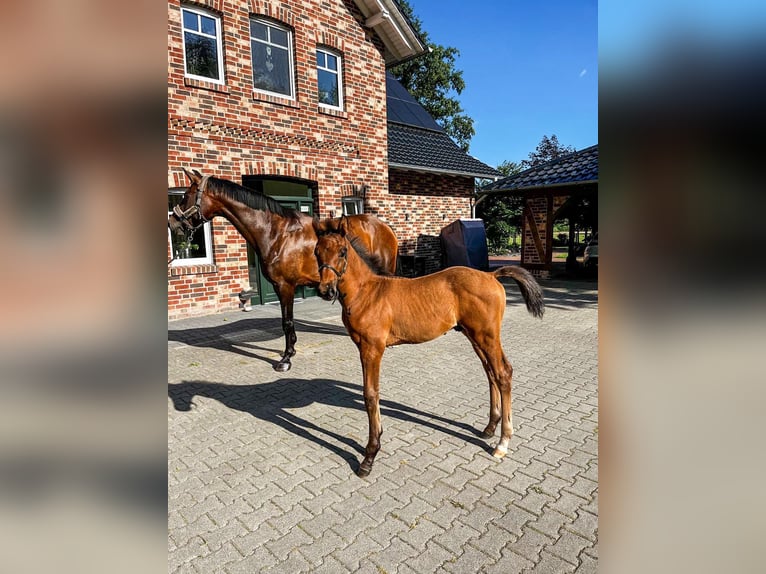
x: 357, y: 202
x: 338, y: 73
x: 208, y: 259
x: 218, y: 41
x: 290, y: 55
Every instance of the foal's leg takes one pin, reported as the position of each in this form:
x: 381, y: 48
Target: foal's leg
x: 503, y: 372
x: 371, y: 355
x: 286, y: 293
x: 494, y: 392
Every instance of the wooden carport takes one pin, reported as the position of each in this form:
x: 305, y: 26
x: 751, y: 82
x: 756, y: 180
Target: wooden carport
x: 551, y: 191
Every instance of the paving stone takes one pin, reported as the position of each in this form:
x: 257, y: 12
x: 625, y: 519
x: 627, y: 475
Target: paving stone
x: 266, y: 462
x: 530, y: 544
x: 471, y: 560
x: 569, y: 546
x: 586, y: 525
x: 357, y: 552
x: 587, y: 565
x: 510, y: 563
x: 258, y: 561
x: 284, y: 545
x: 550, y: 523
x: 550, y: 564
x: 430, y: 558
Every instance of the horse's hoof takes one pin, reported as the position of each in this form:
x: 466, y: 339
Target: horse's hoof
x: 486, y: 433
x: 500, y: 452
x: 364, y: 470
x: 282, y: 366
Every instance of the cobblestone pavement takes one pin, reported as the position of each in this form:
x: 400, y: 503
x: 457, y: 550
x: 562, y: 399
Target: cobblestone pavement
x: 261, y: 465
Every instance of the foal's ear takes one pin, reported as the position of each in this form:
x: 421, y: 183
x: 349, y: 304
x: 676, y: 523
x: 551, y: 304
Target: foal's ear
x: 321, y: 227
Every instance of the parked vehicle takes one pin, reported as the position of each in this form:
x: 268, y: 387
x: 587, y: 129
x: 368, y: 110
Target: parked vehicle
x: 590, y: 255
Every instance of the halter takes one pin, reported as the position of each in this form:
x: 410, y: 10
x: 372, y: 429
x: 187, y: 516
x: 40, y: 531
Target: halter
x: 338, y: 274
x: 185, y: 215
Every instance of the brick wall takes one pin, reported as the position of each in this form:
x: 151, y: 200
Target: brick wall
x: 422, y: 204
x: 230, y: 130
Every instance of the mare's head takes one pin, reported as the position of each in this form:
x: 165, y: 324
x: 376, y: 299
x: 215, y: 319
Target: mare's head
x: 331, y: 252
x: 187, y: 216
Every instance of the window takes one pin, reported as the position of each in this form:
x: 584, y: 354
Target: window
x: 202, y: 45
x: 329, y: 79
x: 353, y: 205
x: 272, y: 50
x: 197, y: 251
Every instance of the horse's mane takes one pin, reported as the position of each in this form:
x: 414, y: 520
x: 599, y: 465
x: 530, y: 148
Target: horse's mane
x: 372, y: 260
x: 249, y: 197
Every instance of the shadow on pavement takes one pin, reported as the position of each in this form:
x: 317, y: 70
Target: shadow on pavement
x: 270, y: 401
x: 567, y: 295
x: 246, y: 332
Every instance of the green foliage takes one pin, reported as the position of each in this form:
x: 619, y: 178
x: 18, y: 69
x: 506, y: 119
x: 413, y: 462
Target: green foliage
x: 432, y: 79
x: 548, y: 149
x: 502, y: 217
x: 509, y: 168
x: 501, y: 213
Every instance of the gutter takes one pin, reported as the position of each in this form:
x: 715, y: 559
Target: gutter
x: 441, y: 171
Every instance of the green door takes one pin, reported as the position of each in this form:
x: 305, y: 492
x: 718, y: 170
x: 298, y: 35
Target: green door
x: 265, y: 290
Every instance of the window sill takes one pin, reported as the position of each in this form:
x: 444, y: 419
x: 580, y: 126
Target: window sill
x: 198, y: 269
x: 191, y: 82
x: 331, y: 112
x: 273, y: 99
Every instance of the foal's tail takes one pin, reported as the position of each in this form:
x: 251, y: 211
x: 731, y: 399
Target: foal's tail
x: 530, y: 289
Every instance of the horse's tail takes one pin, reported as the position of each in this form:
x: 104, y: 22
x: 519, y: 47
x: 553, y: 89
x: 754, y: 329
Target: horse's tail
x: 530, y: 289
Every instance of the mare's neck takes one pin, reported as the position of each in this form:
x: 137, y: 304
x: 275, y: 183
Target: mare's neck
x: 255, y: 225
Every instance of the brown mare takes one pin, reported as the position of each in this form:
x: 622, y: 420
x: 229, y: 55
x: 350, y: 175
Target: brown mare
x: 283, y: 238
x: 379, y: 312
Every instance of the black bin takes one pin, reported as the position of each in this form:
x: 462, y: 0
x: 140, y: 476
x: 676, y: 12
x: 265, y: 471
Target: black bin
x: 464, y: 242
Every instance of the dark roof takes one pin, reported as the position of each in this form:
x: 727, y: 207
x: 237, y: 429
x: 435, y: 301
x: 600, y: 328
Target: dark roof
x: 575, y: 168
x: 403, y: 108
x: 417, y: 142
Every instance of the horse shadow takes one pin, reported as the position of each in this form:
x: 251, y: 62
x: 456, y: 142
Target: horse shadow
x: 272, y: 402
x: 242, y: 337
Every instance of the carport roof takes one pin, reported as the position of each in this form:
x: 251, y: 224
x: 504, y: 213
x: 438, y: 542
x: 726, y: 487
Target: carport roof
x: 417, y: 143
x: 576, y: 168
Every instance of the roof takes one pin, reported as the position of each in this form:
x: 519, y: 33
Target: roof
x: 416, y: 142
x: 576, y: 168
x: 400, y: 40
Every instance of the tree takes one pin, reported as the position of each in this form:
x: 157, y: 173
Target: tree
x: 548, y: 149
x: 431, y: 78
x: 501, y: 213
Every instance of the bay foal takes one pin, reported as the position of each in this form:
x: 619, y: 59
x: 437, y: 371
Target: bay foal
x: 379, y: 312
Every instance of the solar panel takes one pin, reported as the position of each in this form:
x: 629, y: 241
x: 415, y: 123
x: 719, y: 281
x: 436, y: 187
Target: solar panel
x: 404, y: 109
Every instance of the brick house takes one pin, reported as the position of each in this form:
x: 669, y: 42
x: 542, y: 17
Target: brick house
x: 289, y: 98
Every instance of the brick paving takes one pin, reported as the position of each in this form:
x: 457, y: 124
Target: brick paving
x: 261, y: 465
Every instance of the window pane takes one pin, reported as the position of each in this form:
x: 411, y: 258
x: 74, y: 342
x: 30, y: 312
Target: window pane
x: 321, y: 60
x: 190, y: 20
x: 194, y: 247
x: 271, y: 69
x: 332, y: 62
x: 279, y: 37
x: 201, y: 56
x: 257, y: 30
x: 208, y: 25
x: 328, y: 88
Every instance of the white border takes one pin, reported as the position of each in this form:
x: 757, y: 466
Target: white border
x: 290, y: 56
x: 219, y: 44
x: 338, y: 73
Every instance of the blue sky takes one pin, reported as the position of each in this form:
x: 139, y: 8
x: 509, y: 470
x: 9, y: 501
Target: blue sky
x: 530, y: 67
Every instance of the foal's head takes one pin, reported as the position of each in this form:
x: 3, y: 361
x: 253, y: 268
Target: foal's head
x: 332, y: 257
